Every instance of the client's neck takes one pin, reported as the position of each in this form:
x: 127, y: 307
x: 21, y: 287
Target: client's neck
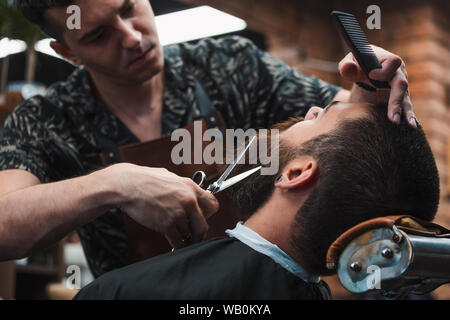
x: 274, y: 220
x: 272, y: 224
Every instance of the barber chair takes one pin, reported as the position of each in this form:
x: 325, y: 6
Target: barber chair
x: 396, y: 255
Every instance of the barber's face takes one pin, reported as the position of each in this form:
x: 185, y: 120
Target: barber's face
x: 117, y: 39
x: 323, y: 120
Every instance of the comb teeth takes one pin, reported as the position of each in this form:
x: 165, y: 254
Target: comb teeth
x: 355, y: 32
x: 356, y: 40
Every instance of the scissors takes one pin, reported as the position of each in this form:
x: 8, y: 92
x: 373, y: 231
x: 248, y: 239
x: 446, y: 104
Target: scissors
x: 221, y: 184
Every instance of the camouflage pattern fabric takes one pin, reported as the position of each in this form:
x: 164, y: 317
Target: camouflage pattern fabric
x: 52, y: 136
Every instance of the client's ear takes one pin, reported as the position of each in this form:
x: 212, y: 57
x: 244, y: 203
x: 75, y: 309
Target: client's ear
x: 65, y: 52
x: 298, y: 173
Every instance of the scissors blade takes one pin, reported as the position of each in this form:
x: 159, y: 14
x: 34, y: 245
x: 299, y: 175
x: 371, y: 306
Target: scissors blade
x: 231, y: 166
x: 232, y: 181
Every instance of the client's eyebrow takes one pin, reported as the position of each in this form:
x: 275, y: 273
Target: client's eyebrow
x: 328, y: 107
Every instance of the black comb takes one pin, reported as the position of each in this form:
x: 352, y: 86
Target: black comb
x: 356, y: 40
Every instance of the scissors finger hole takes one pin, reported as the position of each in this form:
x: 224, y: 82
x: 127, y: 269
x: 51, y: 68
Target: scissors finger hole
x: 199, y: 178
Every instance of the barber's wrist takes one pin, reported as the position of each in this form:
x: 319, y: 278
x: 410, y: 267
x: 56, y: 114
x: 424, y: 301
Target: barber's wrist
x: 108, y: 187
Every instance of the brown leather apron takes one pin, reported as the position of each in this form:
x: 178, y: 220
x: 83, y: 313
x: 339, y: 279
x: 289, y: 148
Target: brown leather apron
x: 144, y: 243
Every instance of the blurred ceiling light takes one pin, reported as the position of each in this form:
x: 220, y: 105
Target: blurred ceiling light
x: 182, y: 26
x: 8, y: 47
x: 43, y: 46
x: 196, y: 23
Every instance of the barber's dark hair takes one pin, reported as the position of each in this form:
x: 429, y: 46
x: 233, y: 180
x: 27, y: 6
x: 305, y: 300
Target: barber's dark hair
x: 367, y: 168
x: 34, y: 10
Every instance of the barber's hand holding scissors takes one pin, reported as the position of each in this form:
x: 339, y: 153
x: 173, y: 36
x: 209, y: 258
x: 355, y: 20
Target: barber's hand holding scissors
x: 164, y: 202
x: 394, y: 72
x: 167, y: 203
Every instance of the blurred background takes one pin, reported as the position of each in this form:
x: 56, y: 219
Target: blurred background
x: 299, y: 32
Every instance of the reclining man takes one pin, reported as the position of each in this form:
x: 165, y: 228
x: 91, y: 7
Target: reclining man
x: 340, y: 166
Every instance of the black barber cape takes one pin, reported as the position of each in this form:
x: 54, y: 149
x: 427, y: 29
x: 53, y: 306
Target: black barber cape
x: 221, y: 268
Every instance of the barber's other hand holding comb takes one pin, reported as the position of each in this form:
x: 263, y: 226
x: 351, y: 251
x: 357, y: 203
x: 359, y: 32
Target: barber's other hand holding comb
x: 394, y: 72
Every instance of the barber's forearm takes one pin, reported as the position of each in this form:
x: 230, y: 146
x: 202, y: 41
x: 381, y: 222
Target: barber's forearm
x: 40, y: 215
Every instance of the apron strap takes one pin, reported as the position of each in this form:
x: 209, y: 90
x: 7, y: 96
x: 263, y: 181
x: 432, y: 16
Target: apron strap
x: 110, y: 149
x: 207, y: 109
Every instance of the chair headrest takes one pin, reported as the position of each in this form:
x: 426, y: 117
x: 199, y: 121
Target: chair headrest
x: 408, y: 224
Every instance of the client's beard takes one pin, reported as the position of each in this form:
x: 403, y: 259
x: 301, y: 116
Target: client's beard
x: 307, y: 235
x: 252, y: 193
x: 255, y: 191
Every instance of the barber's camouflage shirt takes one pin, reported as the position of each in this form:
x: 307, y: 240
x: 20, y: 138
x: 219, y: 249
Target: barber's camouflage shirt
x: 53, y: 138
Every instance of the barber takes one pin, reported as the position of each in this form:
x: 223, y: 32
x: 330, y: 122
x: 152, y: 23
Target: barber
x: 129, y: 89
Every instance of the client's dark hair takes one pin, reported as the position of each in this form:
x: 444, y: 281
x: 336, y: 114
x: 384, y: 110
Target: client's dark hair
x: 34, y: 10
x: 367, y: 168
